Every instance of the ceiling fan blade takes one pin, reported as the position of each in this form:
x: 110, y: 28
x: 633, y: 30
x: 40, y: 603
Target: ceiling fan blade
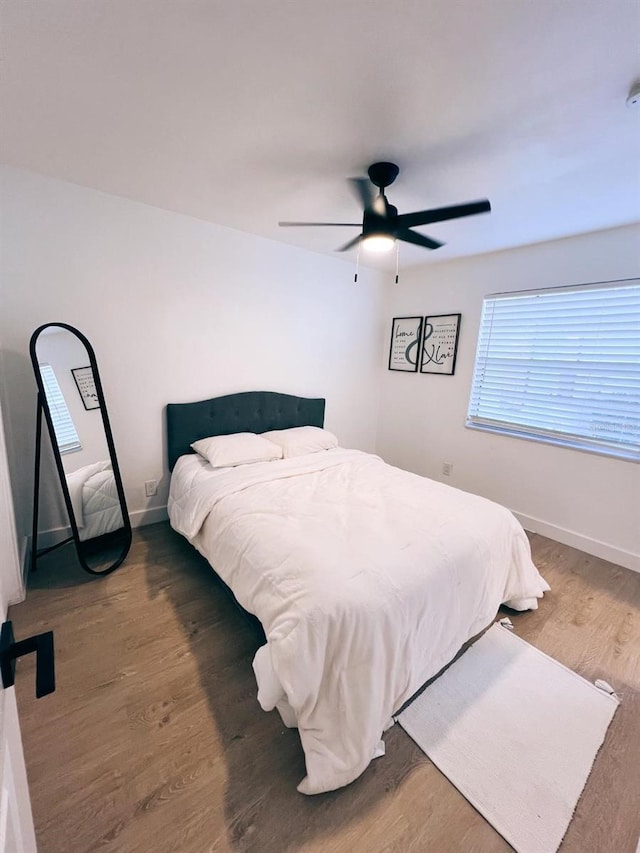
x: 350, y: 244
x: 440, y: 214
x: 314, y: 224
x: 364, y: 191
x: 417, y: 239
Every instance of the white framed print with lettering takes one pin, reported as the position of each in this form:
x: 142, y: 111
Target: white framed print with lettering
x: 86, y: 385
x: 440, y: 344
x: 405, y: 344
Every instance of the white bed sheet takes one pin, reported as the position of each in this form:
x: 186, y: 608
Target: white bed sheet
x: 367, y: 580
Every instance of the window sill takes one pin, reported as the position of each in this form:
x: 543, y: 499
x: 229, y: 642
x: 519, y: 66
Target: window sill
x: 567, y: 443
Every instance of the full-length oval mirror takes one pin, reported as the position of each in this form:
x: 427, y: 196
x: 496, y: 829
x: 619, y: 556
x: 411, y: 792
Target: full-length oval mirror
x: 71, y: 397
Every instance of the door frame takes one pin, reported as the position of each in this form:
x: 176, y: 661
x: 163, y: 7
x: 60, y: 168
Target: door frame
x: 17, y: 833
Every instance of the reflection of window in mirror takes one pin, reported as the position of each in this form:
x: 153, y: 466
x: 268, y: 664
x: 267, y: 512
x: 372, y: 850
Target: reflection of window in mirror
x: 68, y: 440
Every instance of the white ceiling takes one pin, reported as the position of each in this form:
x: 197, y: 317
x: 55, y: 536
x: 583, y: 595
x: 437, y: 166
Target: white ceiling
x: 245, y: 112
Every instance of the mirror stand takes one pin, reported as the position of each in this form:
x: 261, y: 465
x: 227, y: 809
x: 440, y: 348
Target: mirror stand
x: 35, y: 553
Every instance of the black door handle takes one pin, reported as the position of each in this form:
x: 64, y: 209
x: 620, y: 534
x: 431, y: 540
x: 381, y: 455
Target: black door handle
x: 42, y: 645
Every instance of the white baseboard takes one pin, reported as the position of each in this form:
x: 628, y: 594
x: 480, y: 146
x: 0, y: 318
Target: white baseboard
x: 583, y: 543
x: 48, y: 538
x: 138, y: 518
x: 142, y: 517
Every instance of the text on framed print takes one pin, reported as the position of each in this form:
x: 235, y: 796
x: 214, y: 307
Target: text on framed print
x: 440, y: 344
x: 405, y: 343
x: 86, y: 387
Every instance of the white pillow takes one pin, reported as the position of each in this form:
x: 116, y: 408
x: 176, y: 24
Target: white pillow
x: 240, y: 448
x: 300, y: 440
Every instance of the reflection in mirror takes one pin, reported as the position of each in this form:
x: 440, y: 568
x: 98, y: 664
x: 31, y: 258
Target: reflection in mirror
x: 71, y: 397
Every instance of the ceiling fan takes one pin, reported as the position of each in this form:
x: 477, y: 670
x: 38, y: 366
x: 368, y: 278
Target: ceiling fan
x: 381, y: 223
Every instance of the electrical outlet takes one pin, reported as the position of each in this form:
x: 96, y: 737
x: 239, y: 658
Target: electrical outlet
x: 447, y: 468
x: 151, y: 488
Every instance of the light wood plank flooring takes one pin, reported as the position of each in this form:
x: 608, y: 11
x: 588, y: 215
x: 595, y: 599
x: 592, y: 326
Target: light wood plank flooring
x: 154, y: 740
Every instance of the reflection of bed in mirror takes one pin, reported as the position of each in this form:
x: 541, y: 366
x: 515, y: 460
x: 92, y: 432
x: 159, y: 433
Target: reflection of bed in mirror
x: 95, y: 500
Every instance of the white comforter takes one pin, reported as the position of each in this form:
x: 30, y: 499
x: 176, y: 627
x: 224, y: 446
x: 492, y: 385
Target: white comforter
x: 367, y: 580
x: 95, y: 500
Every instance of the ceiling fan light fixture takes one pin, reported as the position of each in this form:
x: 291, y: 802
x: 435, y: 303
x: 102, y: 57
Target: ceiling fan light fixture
x: 379, y: 243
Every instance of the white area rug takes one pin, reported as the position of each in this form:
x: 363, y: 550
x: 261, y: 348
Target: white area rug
x: 516, y: 732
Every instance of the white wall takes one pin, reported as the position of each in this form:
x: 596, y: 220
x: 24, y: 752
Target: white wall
x: 585, y: 500
x: 177, y: 309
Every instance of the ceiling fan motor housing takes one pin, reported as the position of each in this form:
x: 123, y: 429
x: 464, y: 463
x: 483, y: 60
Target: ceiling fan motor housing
x: 373, y: 223
x: 383, y: 174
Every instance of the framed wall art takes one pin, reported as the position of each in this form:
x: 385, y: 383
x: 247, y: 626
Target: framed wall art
x: 86, y: 387
x: 440, y: 344
x: 405, y: 344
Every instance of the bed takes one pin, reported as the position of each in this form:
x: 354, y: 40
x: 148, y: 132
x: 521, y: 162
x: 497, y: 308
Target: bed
x: 366, y: 579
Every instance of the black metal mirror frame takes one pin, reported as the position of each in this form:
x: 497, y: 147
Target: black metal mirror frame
x: 43, y: 406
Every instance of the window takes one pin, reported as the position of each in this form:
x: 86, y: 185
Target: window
x: 562, y: 366
x: 64, y: 428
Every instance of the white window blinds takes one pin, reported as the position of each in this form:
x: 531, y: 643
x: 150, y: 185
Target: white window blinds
x: 63, y: 426
x: 562, y: 366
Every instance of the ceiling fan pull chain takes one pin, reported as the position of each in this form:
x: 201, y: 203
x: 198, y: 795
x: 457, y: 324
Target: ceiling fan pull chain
x: 397, y: 260
x: 355, y: 278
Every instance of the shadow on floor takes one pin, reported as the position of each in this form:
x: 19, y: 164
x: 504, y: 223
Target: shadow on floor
x: 265, y: 762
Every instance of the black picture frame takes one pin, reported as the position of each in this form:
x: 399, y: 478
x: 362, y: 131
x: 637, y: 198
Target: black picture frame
x: 439, y: 349
x: 406, y: 334
x: 86, y: 385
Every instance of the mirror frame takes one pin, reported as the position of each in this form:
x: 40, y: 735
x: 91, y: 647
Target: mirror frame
x: 44, y: 407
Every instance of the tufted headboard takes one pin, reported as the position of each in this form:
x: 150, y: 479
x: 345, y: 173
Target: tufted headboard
x: 249, y: 411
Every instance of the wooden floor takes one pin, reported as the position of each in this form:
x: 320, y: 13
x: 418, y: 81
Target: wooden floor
x: 154, y: 741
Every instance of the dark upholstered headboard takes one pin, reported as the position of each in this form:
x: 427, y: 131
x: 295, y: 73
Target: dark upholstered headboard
x: 250, y: 411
